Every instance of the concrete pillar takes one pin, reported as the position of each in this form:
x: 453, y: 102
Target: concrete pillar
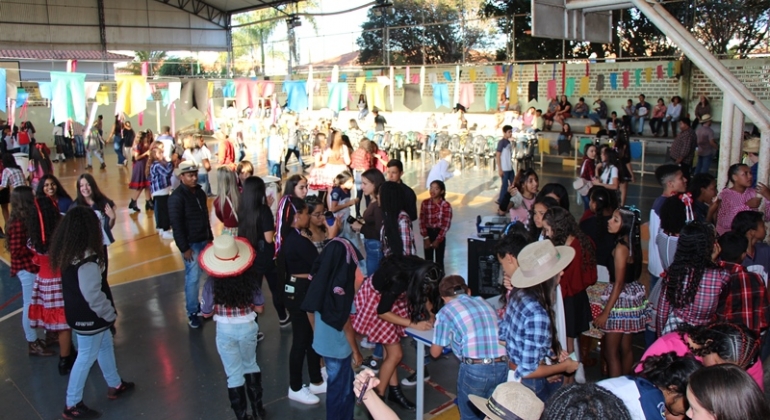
x: 737, y: 135
x: 764, y: 157
x: 725, y: 141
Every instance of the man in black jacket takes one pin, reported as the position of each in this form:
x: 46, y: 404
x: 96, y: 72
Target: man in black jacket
x: 189, y: 216
x: 394, y: 173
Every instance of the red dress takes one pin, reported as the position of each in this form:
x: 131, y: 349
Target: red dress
x: 367, y: 322
x: 46, y: 310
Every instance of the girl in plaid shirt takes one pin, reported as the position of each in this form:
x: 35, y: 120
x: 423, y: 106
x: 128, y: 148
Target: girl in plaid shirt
x: 435, y: 220
x: 12, y: 177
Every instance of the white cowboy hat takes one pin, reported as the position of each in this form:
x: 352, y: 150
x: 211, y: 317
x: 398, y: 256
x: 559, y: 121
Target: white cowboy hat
x: 751, y: 145
x: 185, y: 167
x: 268, y: 179
x: 227, y: 256
x: 705, y: 118
x: 510, y: 400
x: 540, y: 261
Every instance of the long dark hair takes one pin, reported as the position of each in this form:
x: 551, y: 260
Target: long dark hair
x: 418, y: 277
x: 585, y: 401
x: 393, y: 202
x: 22, y: 208
x: 96, y: 194
x: 291, y: 183
x: 42, y: 224
x: 234, y: 292
x: 375, y: 177
x: 78, y: 234
x: 691, y: 260
x: 60, y: 191
x: 9, y: 161
x: 40, y: 158
x: 544, y: 294
x: 522, y: 177
x: 549, y: 202
x: 604, y: 200
x: 629, y: 236
x: 563, y: 225
x: 729, y: 393
x: 250, y: 210
x: 557, y: 190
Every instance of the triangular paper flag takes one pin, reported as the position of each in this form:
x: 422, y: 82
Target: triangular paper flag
x: 584, y: 85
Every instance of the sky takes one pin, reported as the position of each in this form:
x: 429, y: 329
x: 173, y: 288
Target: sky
x: 336, y: 35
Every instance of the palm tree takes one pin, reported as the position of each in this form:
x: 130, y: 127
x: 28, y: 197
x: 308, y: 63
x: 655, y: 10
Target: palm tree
x: 155, y: 58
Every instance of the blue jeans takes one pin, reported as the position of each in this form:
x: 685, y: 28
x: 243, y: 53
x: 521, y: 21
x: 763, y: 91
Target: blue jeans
x: 274, y: 168
x: 373, y: 248
x: 478, y: 380
x: 27, y: 280
x: 541, y: 387
x: 340, y: 400
x: 90, y: 349
x: 237, y: 347
x: 506, y: 181
x: 639, y: 123
x: 192, y: 275
x: 594, y: 116
x: 80, y: 148
x: 704, y: 163
x: 203, y: 181
x: 24, y: 148
x: 586, y: 202
x: 117, y: 144
x: 576, y: 114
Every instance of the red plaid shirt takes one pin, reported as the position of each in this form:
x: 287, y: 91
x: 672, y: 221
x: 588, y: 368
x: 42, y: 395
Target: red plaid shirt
x: 435, y: 216
x: 703, y: 308
x: 21, y: 255
x: 361, y: 160
x: 407, y: 238
x: 744, y: 299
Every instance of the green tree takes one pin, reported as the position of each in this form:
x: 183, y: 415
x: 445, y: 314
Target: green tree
x: 735, y: 28
x: 175, y: 66
x: 155, y: 58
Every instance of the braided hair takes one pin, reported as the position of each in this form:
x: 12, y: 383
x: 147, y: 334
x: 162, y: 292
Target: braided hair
x: 733, y: 343
x: 584, y: 402
x: 669, y: 371
x: 691, y: 260
x: 630, y: 236
x: 563, y: 225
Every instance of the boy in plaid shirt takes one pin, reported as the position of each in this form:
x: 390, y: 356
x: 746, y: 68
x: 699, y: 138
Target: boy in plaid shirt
x: 469, y: 325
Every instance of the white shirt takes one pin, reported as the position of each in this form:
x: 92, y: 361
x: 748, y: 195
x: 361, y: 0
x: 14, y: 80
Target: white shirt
x: 440, y: 172
x: 674, y: 111
x: 198, y: 156
x: 609, y: 174
x: 168, y: 145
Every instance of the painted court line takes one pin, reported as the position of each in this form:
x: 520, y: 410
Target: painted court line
x: 11, y: 314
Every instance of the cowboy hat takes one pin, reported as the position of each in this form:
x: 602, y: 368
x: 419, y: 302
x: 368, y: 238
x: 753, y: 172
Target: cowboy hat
x: 751, y: 145
x: 705, y: 118
x: 268, y: 179
x: 540, y: 261
x: 185, y: 167
x: 227, y: 256
x: 510, y: 400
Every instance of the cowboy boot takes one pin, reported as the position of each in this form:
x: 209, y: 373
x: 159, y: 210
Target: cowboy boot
x: 238, y: 402
x: 395, y: 394
x: 254, y: 392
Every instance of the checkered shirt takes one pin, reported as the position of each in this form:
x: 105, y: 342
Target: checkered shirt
x: 12, y: 178
x: 407, y: 238
x: 208, y: 306
x: 21, y: 255
x: 525, y: 329
x: 361, y: 160
x: 744, y: 300
x: 435, y: 216
x: 469, y: 326
x: 703, y: 308
x: 160, y: 175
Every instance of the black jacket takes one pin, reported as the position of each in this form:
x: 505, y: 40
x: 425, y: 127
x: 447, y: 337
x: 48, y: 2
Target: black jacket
x: 332, y: 286
x: 411, y: 201
x: 88, y: 303
x: 189, y: 215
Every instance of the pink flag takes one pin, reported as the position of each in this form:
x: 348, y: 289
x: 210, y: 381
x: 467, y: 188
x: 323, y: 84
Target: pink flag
x: 551, y: 89
x: 660, y: 72
x: 626, y: 79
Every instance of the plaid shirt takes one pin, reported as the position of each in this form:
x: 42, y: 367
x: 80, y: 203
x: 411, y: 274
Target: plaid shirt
x: 160, y: 175
x: 744, y: 299
x: 232, y: 315
x: 701, y: 311
x: 525, y: 329
x: 683, y: 146
x: 435, y: 216
x: 361, y: 160
x: 12, y: 178
x: 407, y: 238
x: 469, y: 325
x: 21, y: 255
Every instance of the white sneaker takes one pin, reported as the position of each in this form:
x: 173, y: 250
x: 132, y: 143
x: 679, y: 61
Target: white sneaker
x: 318, y: 389
x: 365, y: 343
x: 580, y: 375
x: 324, y: 374
x: 167, y: 234
x: 304, y: 396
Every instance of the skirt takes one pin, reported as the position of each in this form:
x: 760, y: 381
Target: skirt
x: 366, y: 321
x: 46, y: 309
x: 629, y: 314
x: 577, y: 314
x: 138, y: 178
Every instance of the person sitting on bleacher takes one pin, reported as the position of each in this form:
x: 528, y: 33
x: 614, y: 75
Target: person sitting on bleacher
x: 580, y: 110
x: 600, y: 112
x: 565, y: 140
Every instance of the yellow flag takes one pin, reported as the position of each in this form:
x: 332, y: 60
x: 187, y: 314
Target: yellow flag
x: 513, y: 93
x: 677, y: 67
x: 648, y: 74
x: 360, y: 84
x: 472, y: 74
x: 584, y: 85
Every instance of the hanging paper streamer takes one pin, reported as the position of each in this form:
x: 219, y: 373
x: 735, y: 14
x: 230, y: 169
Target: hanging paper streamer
x: 360, y: 84
x: 2, y: 91
x: 296, y: 92
x: 338, y: 96
x: 569, y: 90
x: 489, y: 71
x: 563, y: 78
x: 228, y: 91
x: 659, y: 70
x: 441, y: 95
x: 677, y: 68
x: 551, y: 87
x: 626, y: 79
x: 375, y: 95
x: 614, y: 81
x: 174, y: 93
x: 131, y: 95
x: 343, y: 77
x: 194, y: 94
x: 415, y: 79
x: 670, y: 69
x: 335, y: 74
x: 532, y: 94
x: 648, y: 75
x: 447, y: 76
x: 369, y: 75
x: 456, y: 97
x: 467, y: 95
x: 472, y: 74
x: 490, y: 96
x: 432, y: 78
x: 585, y: 85
x: 412, y: 97
x: 392, y: 92
x: 43, y: 87
x: 408, y: 74
x: 499, y: 70
x: 383, y: 80
x: 422, y: 80
x: 173, y: 117
x: 91, y: 89
x: 638, y: 77
x: 513, y: 93
x: 600, y: 83
x: 69, y: 99
x: 21, y: 97
x: 399, y: 81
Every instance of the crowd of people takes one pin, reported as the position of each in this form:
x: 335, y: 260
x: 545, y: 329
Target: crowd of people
x: 338, y: 249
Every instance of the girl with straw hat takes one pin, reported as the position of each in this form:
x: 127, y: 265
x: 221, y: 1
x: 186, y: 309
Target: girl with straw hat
x: 234, y: 299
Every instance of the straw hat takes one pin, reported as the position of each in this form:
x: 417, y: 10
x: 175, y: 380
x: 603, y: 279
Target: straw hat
x: 227, y: 256
x: 510, y: 400
x: 705, y: 118
x: 185, y: 167
x: 751, y: 145
x: 539, y: 261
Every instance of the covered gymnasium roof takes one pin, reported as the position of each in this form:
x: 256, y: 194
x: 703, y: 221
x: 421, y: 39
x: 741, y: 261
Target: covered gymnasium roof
x: 147, y: 25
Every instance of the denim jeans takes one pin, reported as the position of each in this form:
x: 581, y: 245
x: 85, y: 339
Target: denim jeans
x: 541, y: 387
x: 506, y: 182
x: 203, y: 181
x: 594, y: 116
x: 117, y: 144
x: 80, y: 148
x: 340, y: 400
x: 373, y: 248
x: 90, y: 349
x: 27, y: 280
x: 576, y: 114
x: 192, y: 275
x: 478, y: 380
x: 704, y: 163
x: 24, y: 148
x: 637, y: 122
x: 586, y: 202
x: 237, y: 347
x: 274, y: 168
x: 97, y: 153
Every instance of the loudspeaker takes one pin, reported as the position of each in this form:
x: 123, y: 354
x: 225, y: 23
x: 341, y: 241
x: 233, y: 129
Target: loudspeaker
x: 485, y: 275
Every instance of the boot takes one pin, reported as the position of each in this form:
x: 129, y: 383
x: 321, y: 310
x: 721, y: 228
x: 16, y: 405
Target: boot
x: 395, y: 394
x: 65, y: 363
x: 149, y: 205
x: 238, y: 402
x: 51, y: 339
x: 132, y: 206
x: 254, y: 391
